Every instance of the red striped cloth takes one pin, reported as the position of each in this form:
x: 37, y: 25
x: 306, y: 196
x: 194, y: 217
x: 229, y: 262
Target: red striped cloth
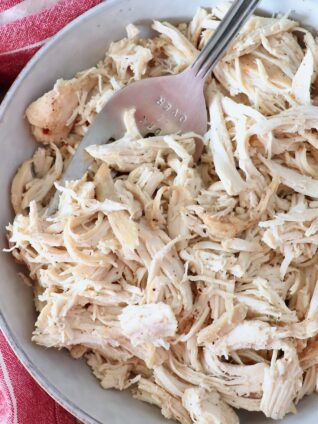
x: 24, y: 27
x: 22, y: 401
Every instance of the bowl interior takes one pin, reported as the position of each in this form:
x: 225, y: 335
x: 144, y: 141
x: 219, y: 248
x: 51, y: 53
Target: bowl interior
x: 77, y: 47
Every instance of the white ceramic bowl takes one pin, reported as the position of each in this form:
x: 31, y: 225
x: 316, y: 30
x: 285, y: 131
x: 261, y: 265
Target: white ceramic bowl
x: 80, y: 45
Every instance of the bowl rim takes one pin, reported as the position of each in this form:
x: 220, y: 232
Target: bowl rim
x: 23, y: 357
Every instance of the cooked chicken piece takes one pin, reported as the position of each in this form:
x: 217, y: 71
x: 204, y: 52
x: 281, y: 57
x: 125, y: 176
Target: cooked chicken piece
x: 282, y: 383
x: 52, y: 115
x: 169, y: 382
x: 180, y: 198
x: 223, y: 325
x: 182, y: 50
x: 309, y: 356
x: 130, y: 58
x: 303, y: 79
x: 230, y: 226
x: 19, y: 182
x: 227, y: 227
x: 132, y: 31
x: 291, y: 121
x: 124, y: 229
x: 207, y: 407
x: 264, y: 68
x: 196, y: 26
x: 283, y: 380
x: 38, y: 188
x: 42, y: 162
x: 153, y: 323
x: 240, y: 381
x: 111, y: 376
x: 247, y: 335
x: 128, y: 153
x: 171, y: 407
x: 221, y: 149
x: 299, y: 183
x: 309, y: 383
x: 257, y: 28
x: 262, y: 300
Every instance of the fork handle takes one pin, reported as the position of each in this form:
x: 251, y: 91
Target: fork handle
x: 228, y: 28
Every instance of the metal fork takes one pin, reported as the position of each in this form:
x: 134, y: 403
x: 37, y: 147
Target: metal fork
x: 165, y: 105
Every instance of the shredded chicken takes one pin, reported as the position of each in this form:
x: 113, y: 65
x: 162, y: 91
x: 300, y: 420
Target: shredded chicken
x: 194, y: 283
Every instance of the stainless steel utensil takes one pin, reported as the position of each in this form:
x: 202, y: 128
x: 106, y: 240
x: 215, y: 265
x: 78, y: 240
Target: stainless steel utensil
x: 166, y: 104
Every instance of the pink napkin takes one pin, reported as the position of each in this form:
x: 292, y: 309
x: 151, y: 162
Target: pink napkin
x: 24, y: 27
x: 22, y: 401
